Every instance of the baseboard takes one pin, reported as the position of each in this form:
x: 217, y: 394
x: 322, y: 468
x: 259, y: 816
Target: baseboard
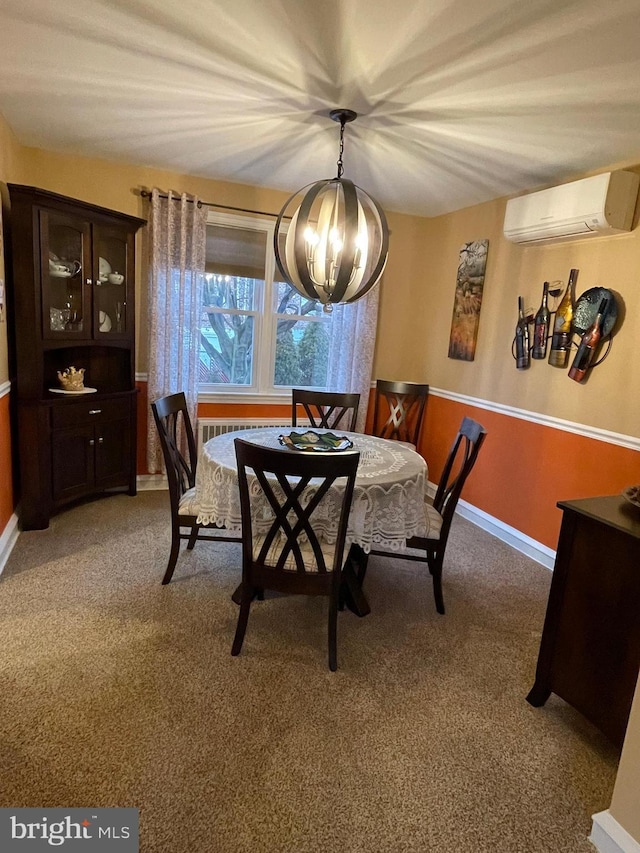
x: 513, y: 537
x: 151, y: 482
x: 608, y: 836
x: 8, y: 539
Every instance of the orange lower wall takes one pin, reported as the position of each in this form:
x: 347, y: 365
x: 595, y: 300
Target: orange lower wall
x: 6, y: 476
x: 525, y: 468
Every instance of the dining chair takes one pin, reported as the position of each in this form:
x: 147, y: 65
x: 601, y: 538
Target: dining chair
x: 460, y: 461
x: 403, y: 406
x: 326, y: 409
x: 170, y: 414
x: 283, y: 549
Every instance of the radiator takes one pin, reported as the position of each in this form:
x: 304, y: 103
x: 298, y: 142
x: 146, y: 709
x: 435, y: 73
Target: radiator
x: 210, y: 427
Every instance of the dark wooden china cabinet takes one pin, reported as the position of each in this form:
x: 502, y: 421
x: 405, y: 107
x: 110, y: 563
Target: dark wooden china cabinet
x: 73, y: 290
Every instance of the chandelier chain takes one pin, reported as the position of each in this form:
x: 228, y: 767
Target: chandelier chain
x: 340, y: 165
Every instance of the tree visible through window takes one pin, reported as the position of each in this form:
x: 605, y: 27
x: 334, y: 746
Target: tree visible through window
x: 256, y: 332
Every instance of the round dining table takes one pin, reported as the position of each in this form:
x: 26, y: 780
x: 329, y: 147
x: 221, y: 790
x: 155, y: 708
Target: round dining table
x: 389, y: 493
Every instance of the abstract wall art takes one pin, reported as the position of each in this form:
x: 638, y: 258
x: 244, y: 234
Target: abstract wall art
x: 468, y: 300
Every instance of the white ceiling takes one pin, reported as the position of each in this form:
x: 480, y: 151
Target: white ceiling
x: 459, y: 101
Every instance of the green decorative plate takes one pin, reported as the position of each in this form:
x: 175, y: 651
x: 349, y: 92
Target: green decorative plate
x: 323, y: 442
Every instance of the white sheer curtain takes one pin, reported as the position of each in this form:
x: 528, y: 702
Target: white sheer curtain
x: 353, y: 338
x: 177, y: 248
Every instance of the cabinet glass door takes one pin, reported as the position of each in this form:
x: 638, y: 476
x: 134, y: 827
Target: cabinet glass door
x: 65, y: 264
x: 113, y: 265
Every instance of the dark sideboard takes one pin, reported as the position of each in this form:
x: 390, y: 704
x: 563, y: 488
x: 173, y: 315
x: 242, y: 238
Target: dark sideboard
x: 590, y: 647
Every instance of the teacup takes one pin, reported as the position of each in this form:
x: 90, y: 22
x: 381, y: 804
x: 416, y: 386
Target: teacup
x: 63, y: 269
x: 115, y: 278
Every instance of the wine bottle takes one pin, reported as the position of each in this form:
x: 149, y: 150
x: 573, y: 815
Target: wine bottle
x: 561, y: 338
x: 522, y: 338
x: 541, y: 325
x: 588, y: 344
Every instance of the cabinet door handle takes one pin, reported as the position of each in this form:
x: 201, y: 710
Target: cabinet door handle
x: 101, y: 441
x: 89, y: 281
x: 95, y: 411
x: 91, y: 442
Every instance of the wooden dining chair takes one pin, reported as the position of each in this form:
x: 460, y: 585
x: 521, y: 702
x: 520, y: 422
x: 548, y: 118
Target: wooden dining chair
x: 325, y: 409
x: 170, y: 414
x: 460, y: 461
x: 283, y: 550
x: 402, y: 404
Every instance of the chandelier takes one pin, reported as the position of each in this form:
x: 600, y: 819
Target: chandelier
x: 331, y: 239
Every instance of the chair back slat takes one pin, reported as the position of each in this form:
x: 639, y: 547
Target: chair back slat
x: 175, y: 431
x: 403, y: 405
x: 294, y: 486
x: 460, y: 461
x: 325, y: 409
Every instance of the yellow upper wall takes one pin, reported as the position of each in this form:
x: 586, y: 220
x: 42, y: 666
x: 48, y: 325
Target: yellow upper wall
x: 116, y: 185
x: 414, y: 332
x: 418, y: 289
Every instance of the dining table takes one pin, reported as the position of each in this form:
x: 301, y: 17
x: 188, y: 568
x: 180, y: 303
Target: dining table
x: 388, y: 504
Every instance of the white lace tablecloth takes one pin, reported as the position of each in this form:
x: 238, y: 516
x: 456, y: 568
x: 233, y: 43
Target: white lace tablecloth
x: 388, y: 500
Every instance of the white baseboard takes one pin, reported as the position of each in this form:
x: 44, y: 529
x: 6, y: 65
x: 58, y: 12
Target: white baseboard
x: 150, y: 482
x: 513, y: 537
x: 8, y: 539
x: 608, y: 836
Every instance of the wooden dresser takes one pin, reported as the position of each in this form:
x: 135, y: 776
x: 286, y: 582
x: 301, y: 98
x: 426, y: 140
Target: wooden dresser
x: 590, y: 648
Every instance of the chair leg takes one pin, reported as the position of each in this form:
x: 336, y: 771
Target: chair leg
x: 435, y: 562
x: 193, y: 536
x: 173, y: 556
x: 243, y: 618
x: 333, y: 632
x: 359, y: 561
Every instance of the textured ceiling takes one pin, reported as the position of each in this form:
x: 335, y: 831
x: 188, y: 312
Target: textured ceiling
x: 459, y: 101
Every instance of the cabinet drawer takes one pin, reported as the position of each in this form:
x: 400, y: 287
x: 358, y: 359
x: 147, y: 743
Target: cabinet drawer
x: 89, y: 412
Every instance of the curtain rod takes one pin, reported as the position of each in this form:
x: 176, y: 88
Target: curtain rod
x: 147, y: 194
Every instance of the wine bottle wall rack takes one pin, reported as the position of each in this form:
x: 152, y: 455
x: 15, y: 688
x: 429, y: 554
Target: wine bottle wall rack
x: 584, y: 314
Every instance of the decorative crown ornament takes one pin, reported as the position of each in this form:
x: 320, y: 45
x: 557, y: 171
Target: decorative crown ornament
x: 72, y: 379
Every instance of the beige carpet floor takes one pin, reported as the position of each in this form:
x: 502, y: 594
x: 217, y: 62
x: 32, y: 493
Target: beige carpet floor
x: 116, y: 691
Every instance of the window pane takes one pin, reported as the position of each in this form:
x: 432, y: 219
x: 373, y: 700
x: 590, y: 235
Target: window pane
x: 225, y: 291
x: 289, y: 301
x: 226, y: 348
x: 302, y: 353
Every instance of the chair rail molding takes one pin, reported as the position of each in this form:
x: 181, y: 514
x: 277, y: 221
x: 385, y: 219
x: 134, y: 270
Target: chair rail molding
x: 5, y: 387
x: 608, y: 836
x: 631, y: 442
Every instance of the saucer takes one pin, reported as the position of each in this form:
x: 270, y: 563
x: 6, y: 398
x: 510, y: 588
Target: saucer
x: 81, y: 391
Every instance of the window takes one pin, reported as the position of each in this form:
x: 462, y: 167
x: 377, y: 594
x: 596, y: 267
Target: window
x: 257, y: 333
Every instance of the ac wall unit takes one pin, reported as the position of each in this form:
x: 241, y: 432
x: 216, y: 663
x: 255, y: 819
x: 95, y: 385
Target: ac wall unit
x: 601, y: 205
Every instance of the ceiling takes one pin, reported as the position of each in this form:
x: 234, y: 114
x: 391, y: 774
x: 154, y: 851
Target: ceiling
x: 459, y: 101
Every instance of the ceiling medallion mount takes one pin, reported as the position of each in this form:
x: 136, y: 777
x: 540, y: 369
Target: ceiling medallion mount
x: 334, y: 247
x: 343, y: 115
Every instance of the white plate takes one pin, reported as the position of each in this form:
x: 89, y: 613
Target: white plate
x: 81, y: 391
x: 104, y: 268
x: 105, y: 322
x: 632, y: 494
